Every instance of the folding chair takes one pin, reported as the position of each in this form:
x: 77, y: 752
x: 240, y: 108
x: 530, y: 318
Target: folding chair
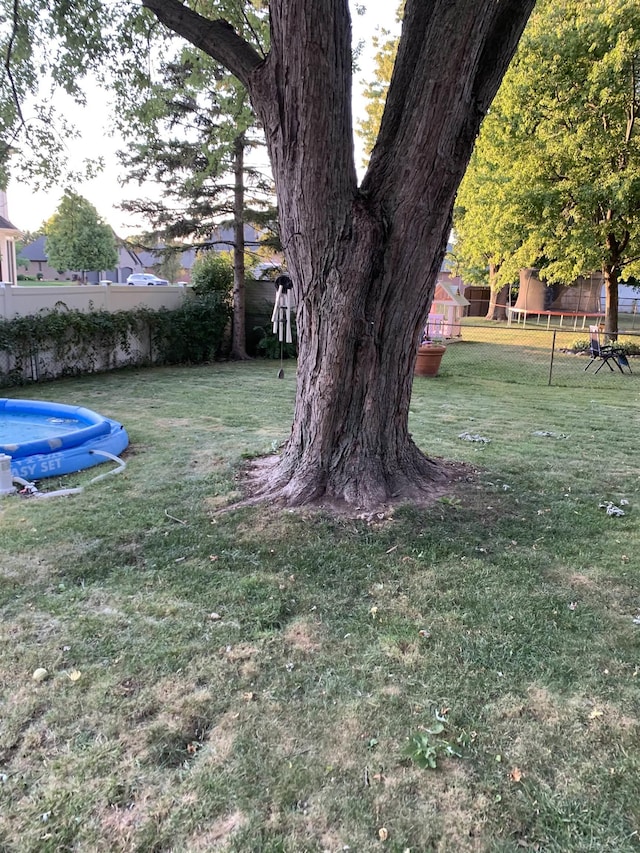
x: 606, y: 353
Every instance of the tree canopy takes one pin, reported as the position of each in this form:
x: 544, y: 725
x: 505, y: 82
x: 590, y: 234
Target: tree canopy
x: 377, y: 88
x: 183, y: 133
x: 77, y: 238
x: 554, y: 181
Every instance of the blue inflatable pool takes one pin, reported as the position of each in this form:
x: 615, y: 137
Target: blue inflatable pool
x: 50, y: 439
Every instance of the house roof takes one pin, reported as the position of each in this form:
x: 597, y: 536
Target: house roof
x: 5, y: 225
x: 146, y: 258
x: 149, y: 258
x: 223, y: 237
x: 35, y: 251
x: 128, y: 253
x: 448, y: 293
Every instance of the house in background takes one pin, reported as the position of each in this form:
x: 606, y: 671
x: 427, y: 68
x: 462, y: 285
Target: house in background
x: 221, y: 238
x: 131, y: 259
x: 151, y: 261
x: 128, y: 262
x: 8, y: 236
x: 34, y: 261
x: 37, y: 265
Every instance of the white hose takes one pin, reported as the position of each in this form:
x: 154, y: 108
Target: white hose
x: 58, y: 493
x: 22, y: 482
x: 113, y: 458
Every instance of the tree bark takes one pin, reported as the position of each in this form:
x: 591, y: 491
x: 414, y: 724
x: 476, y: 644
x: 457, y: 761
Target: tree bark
x: 498, y: 296
x: 364, y: 260
x: 238, y: 335
x: 610, y: 275
x: 611, y: 267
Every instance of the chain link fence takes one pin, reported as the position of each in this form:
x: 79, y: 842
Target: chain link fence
x: 533, y: 354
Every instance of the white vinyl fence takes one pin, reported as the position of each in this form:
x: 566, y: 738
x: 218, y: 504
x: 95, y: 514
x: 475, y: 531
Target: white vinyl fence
x: 25, y: 301
x: 36, y: 364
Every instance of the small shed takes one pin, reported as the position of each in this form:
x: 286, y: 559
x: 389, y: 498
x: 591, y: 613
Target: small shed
x: 447, y: 310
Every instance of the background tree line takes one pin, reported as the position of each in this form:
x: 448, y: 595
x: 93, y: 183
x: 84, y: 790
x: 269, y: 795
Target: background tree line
x: 554, y: 179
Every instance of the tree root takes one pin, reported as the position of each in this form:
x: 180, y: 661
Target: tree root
x: 261, y: 484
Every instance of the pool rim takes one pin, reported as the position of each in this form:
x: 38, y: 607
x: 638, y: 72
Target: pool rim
x: 80, y: 449
x: 97, y: 425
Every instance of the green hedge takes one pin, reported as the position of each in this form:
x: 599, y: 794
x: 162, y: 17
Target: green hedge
x: 628, y: 347
x: 69, y: 342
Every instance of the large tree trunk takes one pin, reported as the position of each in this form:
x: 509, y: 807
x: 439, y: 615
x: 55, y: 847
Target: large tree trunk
x: 363, y: 260
x: 610, y: 275
x: 498, y: 296
x: 358, y: 341
x: 238, y: 335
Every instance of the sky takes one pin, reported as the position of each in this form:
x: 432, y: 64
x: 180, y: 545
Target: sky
x: 28, y: 208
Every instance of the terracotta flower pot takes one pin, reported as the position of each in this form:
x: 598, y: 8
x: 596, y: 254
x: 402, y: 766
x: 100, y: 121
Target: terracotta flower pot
x: 429, y: 358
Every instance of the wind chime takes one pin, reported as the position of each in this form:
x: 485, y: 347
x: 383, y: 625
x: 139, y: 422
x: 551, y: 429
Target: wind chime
x: 281, y: 317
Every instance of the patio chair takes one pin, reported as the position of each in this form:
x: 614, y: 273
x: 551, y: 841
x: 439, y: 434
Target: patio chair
x: 605, y: 353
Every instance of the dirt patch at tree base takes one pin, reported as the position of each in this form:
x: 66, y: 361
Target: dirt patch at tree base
x: 448, y: 477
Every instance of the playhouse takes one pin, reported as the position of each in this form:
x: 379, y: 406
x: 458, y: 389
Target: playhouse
x: 447, y: 310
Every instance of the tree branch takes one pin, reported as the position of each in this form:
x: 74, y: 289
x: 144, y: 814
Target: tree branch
x: 7, y: 61
x: 631, y: 115
x: 216, y: 38
x: 500, y: 44
x: 431, y: 113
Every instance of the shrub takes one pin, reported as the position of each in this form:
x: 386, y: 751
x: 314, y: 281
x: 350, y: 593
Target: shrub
x: 628, y: 347
x: 269, y: 345
x: 193, y: 333
x: 213, y: 273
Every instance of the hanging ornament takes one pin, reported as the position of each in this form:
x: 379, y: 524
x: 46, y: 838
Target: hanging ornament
x: 281, y: 317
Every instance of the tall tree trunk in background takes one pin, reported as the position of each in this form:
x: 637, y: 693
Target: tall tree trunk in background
x: 239, y: 336
x: 610, y: 273
x: 498, y: 296
x: 363, y: 260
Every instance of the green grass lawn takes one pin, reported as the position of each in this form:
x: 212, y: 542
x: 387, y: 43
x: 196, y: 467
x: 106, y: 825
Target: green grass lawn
x: 532, y: 355
x: 267, y: 680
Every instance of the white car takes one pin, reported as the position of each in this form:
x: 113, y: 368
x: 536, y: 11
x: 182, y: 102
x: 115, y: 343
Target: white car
x: 145, y: 278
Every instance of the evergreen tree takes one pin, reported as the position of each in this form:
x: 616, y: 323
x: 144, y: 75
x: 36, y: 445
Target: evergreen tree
x: 197, y: 132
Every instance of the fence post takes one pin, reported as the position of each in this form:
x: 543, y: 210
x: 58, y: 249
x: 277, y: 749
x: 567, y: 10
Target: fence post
x: 553, y: 349
x: 6, y: 304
